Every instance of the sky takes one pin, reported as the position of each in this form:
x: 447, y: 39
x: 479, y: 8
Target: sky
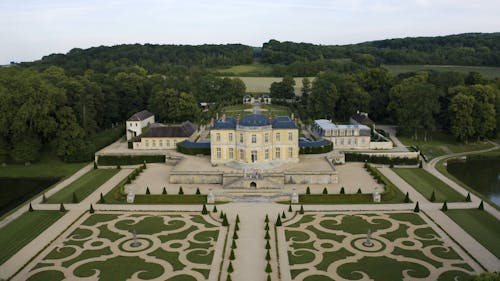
x: 31, y: 29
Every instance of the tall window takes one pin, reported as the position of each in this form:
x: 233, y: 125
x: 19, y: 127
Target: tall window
x: 290, y: 152
x: 217, y: 136
x: 266, y: 138
x: 242, y: 155
x: 231, y: 153
x: 147, y: 143
x: 154, y: 143
x: 278, y: 153
x: 278, y: 137
x: 168, y: 143
x: 161, y: 143
x: 230, y: 137
x: 267, y: 154
x: 290, y: 136
x: 219, y: 156
x: 241, y: 138
x: 254, y: 139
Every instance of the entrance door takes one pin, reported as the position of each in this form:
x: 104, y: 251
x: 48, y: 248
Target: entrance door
x: 253, y: 185
x: 254, y: 156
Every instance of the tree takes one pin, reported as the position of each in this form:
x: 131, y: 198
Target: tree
x: 283, y: 216
x: 323, y: 98
x: 26, y: 147
x: 231, y: 255
x: 268, y: 268
x: 305, y: 90
x: 224, y: 221
x: 268, y: 255
x: 377, y: 82
x: 461, y: 109
x: 173, y: 106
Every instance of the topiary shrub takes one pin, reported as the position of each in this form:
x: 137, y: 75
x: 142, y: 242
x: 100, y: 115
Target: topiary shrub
x: 118, y: 166
x: 91, y: 210
x: 30, y: 209
x: 204, y: 210
x: 237, y: 218
x: 224, y: 221
x: 301, y: 209
x: 268, y: 268
x: 198, y: 190
x: 290, y: 208
x: 44, y: 199
x: 268, y: 245
x: 231, y: 255
x: 267, y: 236
x: 61, y: 208
x: 101, y: 200
x: 308, y: 190
x: 75, y: 199
x: 164, y: 191
x: 233, y: 245
x: 433, y: 196
x: 235, y: 234
x: 266, y: 219
x: 221, y: 216
x: 230, y: 268
x: 181, y: 192
x: 325, y: 191
x: 283, y: 216
x: 342, y: 190
x: 215, y: 209
x: 407, y: 198
x: 268, y: 256
x: 445, y: 207
x: 417, y: 208
x: 467, y: 199
x: 95, y: 165
x: 481, y: 206
x: 147, y: 191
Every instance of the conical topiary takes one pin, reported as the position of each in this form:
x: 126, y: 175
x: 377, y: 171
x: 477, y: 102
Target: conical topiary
x: 301, y: 209
x: 278, y: 221
x: 204, y: 210
x: 147, y: 190
x: 224, y: 221
x: 221, y: 216
x: 433, y: 196
x: 198, y: 191
x: 215, y: 209
x: 290, y: 208
x: 267, y: 218
x: 101, y: 200
x: 268, y: 268
x: 91, y: 210
x: 283, y: 216
x: 342, y: 190
x: 235, y: 234
x: 267, y: 226
x: 181, y: 192
x: 164, y: 191
x: 359, y: 191
x: 481, y: 206
x: 325, y: 191
x: 267, y: 236
x: 233, y: 245
x: 268, y: 256
x: 308, y: 190
x: 30, y: 209
x: 230, y: 268
x: 231, y: 255
x: 467, y: 199
x: 75, y: 199
x: 268, y: 245
x: 445, y: 207
x: 417, y: 208
x: 407, y: 198
x: 61, y: 208
x: 268, y: 277
x: 236, y: 227
x: 229, y: 278
x: 44, y: 199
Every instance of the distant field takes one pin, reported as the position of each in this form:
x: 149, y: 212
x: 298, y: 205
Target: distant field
x: 254, y: 69
x: 262, y: 84
x: 486, y: 71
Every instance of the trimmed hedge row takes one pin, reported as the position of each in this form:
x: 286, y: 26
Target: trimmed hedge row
x: 192, y: 150
x: 316, y: 149
x: 108, y: 160
x: 335, y: 198
x: 358, y: 157
x: 391, y: 191
x: 170, y: 199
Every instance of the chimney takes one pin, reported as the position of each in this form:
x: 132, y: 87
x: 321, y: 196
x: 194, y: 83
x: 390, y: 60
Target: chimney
x: 224, y: 117
x: 293, y: 116
x: 217, y: 116
x: 238, y: 120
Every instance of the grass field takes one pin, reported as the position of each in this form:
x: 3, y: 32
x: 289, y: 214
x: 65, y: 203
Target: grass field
x: 263, y: 84
x: 425, y: 183
x: 235, y: 110
x: 250, y: 70
x: 439, y: 144
x: 83, y: 186
x: 244, y: 109
x: 276, y: 110
x: 489, y: 72
x: 47, y: 167
x: 479, y: 224
x: 21, y: 231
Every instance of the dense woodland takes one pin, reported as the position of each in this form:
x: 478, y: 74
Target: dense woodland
x: 63, y: 102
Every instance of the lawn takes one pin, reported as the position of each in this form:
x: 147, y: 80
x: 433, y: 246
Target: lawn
x: 425, y: 183
x: 332, y: 245
x: 235, y: 110
x: 263, y: 84
x: 48, y: 166
x: 253, y: 70
x: 488, y: 72
x: 23, y: 230
x: 439, y: 144
x: 245, y: 109
x: 83, y: 186
x: 275, y: 110
x: 173, y: 247
x: 479, y: 224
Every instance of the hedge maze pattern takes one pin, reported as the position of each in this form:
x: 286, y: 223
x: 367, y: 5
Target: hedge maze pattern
x: 326, y: 247
x: 173, y: 246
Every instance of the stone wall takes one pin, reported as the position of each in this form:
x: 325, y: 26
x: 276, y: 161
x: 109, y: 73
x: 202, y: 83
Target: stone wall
x: 195, y: 177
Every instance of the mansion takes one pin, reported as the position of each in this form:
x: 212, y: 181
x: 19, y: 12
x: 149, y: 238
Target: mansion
x: 254, y: 139
x: 343, y: 136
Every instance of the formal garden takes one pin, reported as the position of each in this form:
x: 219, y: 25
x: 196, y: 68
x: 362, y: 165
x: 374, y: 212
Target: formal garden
x: 170, y: 246
x: 328, y: 246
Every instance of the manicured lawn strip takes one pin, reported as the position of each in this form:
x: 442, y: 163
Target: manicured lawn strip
x: 254, y: 69
x: 21, y: 231
x: 170, y: 199
x: 83, y: 186
x: 425, y: 183
x: 48, y: 166
x: 481, y: 225
x: 276, y: 110
x: 335, y: 198
x: 439, y: 144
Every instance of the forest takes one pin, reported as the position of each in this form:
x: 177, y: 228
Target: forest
x: 63, y: 102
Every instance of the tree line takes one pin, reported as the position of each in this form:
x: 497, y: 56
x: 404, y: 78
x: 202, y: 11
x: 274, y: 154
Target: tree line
x: 464, y: 105
x: 462, y: 49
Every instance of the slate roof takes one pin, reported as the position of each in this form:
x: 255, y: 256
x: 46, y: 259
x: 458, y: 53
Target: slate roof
x: 283, y: 122
x: 184, y: 130
x: 228, y: 123
x: 255, y: 120
x: 141, y: 115
x: 362, y: 118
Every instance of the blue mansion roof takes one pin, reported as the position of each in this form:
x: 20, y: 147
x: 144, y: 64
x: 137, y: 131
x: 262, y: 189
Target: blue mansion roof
x: 255, y: 120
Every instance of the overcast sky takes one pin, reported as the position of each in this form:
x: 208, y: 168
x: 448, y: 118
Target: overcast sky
x: 30, y: 29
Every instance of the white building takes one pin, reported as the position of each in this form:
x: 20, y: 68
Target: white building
x: 136, y: 123
x: 343, y: 136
